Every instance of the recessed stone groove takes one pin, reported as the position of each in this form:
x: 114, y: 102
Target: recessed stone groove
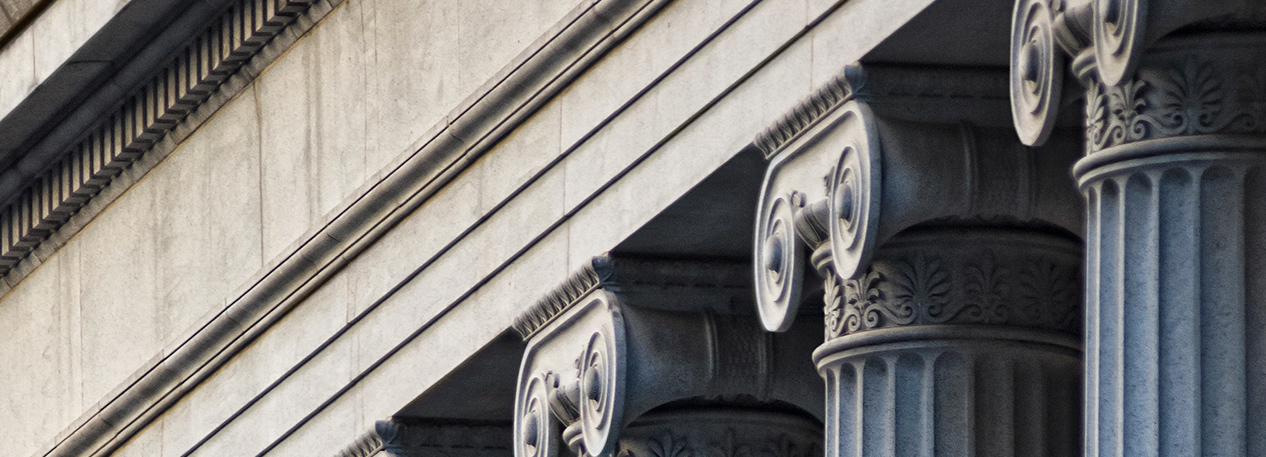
x: 143, y: 119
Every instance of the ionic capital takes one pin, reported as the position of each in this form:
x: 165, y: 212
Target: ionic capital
x: 1151, y: 68
x: 884, y: 157
x: 624, y: 337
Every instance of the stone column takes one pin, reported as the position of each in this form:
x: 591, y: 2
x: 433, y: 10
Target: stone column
x: 1175, y: 124
x: 651, y: 359
x: 949, y: 261
x: 956, y: 342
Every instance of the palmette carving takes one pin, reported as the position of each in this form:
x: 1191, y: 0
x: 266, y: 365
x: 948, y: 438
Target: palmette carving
x: 1189, y: 98
x: 961, y: 277
x: 1144, y: 84
x: 721, y: 432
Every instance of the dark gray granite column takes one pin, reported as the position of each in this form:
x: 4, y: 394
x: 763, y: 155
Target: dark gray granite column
x: 1176, y: 245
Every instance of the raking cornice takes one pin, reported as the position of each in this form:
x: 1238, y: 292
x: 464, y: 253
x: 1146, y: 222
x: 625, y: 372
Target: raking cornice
x: 475, y: 126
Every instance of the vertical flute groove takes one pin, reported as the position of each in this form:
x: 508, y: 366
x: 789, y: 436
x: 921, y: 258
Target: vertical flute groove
x: 1179, y: 355
x: 1222, y: 313
x: 1109, y: 362
x: 1139, y: 316
x: 1255, y: 318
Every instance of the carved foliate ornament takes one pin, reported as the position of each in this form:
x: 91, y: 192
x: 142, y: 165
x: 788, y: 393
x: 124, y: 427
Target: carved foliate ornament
x: 964, y: 276
x: 721, y: 432
x: 1135, y: 90
x: 956, y: 276
x: 1184, y: 87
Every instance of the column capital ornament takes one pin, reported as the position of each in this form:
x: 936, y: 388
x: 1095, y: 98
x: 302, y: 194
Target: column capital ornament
x: 1204, y: 85
x: 1140, y: 85
x: 615, y: 342
x: 704, y: 431
x: 390, y: 438
x: 962, y: 277
x: 867, y: 168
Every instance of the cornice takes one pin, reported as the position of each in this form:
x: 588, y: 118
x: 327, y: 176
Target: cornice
x: 177, y: 89
x: 498, y: 107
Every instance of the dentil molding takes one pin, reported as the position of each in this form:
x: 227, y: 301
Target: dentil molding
x: 144, y: 118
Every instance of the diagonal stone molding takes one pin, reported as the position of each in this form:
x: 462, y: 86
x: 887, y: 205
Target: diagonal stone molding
x: 52, y: 197
x: 502, y: 104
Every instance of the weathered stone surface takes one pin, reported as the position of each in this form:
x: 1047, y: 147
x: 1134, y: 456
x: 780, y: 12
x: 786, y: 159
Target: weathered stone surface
x: 721, y: 431
x: 351, y: 231
x: 42, y: 383
x: 1171, y: 178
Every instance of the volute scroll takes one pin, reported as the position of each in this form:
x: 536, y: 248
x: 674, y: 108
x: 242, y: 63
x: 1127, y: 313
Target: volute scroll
x: 836, y: 165
x: 614, y: 343
x: 868, y: 169
x: 1037, y: 78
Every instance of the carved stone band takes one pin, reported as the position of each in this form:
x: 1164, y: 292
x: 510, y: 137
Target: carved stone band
x: 721, y: 432
x: 951, y: 276
x: 1212, y: 84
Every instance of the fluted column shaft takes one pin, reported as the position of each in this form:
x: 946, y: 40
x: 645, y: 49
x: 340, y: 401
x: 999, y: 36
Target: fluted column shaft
x: 956, y: 342
x: 1175, y: 292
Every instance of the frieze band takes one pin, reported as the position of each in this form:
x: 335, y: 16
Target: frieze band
x: 962, y: 276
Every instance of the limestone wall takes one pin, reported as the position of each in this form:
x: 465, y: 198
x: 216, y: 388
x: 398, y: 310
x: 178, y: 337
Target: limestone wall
x: 312, y: 128
x: 370, y: 84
